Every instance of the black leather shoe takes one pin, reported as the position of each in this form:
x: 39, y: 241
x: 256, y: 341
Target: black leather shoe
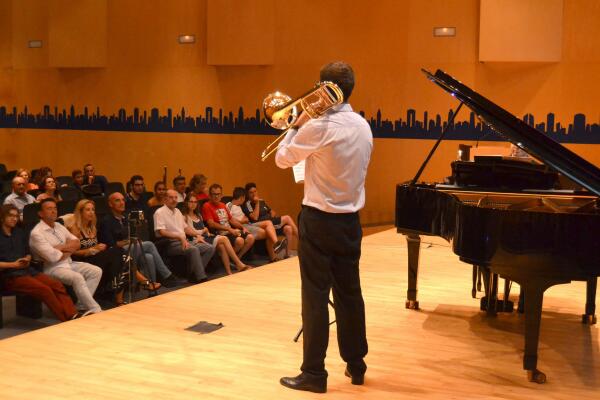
x: 356, y: 379
x: 311, y: 383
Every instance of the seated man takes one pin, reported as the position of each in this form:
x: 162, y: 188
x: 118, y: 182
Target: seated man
x: 19, y: 196
x: 90, y: 177
x: 170, y: 225
x: 260, y: 229
x: 53, y: 244
x: 179, y: 186
x: 135, y: 199
x: 77, y: 176
x: 257, y: 209
x: 219, y: 220
x: 114, y: 231
x: 16, y: 274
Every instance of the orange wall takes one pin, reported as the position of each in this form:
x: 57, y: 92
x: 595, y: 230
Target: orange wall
x: 387, y: 42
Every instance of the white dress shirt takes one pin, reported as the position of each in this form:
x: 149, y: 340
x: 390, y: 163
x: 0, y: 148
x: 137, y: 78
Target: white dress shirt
x: 19, y: 201
x: 337, y: 149
x: 169, y: 220
x: 42, y: 241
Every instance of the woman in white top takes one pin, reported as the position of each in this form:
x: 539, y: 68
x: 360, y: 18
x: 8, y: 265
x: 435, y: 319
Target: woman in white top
x: 223, y: 246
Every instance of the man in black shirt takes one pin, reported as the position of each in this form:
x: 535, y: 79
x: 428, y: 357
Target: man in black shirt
x: 18, y: 276
x: 135, y: 199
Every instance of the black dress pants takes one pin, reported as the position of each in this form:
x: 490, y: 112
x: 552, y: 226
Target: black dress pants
x: 329, y: 253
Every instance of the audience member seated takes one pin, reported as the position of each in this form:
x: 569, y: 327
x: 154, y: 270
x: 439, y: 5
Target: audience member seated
x: 219, y: 220
x: 260, y: 229
x: 160, y: 192
x: 198, y: 186
x: 179, y: 187
x: 90, y: 177
x: 109, y: 259
x: 114, y: 232
x: 18, y: 276
x: 41, y: 173
x: 134, y: 199
x: 19, y: 196
x: 193, y: 219
x: 23, y: 173
x: 53, y: 244
x: 77, y: 175
x: 48, y: 190
x: 170, y: 226
x: 256, y: 209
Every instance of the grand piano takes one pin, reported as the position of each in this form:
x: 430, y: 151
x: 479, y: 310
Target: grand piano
x: 535, y: 237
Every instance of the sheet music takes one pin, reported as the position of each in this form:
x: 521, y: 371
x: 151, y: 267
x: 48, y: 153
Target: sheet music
x: 298, y: 170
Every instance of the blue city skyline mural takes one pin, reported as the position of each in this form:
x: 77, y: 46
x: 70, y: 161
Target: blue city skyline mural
x: 412, y: 126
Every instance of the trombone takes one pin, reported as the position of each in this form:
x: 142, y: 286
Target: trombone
x: 281, y: 112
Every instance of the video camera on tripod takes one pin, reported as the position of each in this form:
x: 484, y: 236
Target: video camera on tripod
x: 135, y: 219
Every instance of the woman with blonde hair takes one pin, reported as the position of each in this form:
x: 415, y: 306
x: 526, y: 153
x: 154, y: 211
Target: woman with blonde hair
x: 194, y: 220
x: 91, y: 251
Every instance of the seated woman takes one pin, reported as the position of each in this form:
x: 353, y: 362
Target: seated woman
x: 160, y: 193
x: 40, y: 174
x: 48, y: 190
x: 193, y: 218
x: 110, y: 259
x: 198, y: 185
x: 23, y: 173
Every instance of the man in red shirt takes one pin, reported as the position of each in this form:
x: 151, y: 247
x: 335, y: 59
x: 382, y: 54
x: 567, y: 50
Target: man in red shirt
x: 219, y: 220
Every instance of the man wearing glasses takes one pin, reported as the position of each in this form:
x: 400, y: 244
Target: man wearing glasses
x: 219, y: 220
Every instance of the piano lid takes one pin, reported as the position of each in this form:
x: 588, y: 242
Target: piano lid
x: 522, y: 135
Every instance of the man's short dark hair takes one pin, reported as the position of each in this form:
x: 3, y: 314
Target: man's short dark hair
x: 214, y: 186
x: 76, y: 172
x: 135, y: 178
x: 341, y: 74
x: 249, y: 186
x: 238, y: 192
x: 47, y: 200
x: 178, y: 178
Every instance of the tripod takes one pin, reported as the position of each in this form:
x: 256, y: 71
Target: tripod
x: 301, y: 329
x: 135, y: 248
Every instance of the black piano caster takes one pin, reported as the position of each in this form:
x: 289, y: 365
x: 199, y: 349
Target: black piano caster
x: 536, y: 376
x: 588, y: 319
x: 412, y: 304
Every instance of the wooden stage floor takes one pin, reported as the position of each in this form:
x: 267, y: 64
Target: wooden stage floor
x: 447, y: 350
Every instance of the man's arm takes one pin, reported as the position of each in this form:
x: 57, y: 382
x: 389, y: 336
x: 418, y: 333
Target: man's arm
x: 169, y: 234
x: 297, y: 145
x: 216, y: 226
x: 44, y: 249
x: 255, y: 211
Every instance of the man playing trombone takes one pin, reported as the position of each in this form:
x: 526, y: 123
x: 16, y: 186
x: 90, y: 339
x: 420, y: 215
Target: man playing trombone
x: 337, y: 149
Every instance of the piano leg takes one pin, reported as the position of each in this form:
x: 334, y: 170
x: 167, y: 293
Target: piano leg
x: 534, y: 296
x: 414, y: 247
x: 590, y: 302
x: 492, y: 295
x: 475, y: 276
